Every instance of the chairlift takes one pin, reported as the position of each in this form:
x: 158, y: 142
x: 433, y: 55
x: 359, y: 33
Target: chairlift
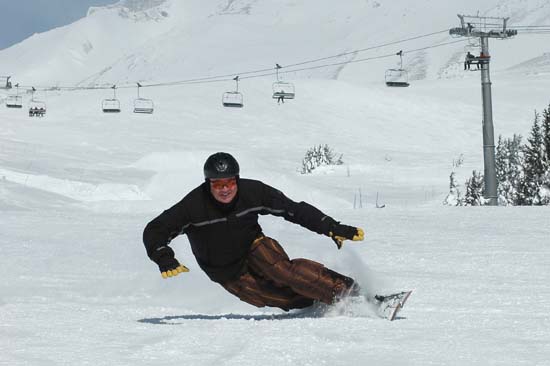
x: 111, y: 105
x: 5, y: 82
x: 282, y: 89
x: 37, y: 108
x: 14, y: 101
x: 479, y: 61
x: 397, y: 77
x: 234, y: 98
x: 143, y: 105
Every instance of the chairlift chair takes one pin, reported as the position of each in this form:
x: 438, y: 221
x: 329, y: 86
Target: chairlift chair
x: 143, y: 105
x: 397, y: 77
x: 37, y: 108
x: 233, y: 99
x: 111, y: 105
x: 282, y: 89
x: 14, y: 101
x: 479, y: 61
x: 5, y: 82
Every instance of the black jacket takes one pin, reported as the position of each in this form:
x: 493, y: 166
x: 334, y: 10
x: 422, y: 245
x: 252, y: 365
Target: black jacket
x: 221, y: 235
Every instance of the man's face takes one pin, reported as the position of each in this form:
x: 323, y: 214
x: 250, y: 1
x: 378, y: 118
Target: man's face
x: 224, y: 189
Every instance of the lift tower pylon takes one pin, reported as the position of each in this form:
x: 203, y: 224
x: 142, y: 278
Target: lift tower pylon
x: 485, y: 28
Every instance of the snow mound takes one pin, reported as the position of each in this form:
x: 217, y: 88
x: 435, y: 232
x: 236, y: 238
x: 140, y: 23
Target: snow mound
x: 80, y: 191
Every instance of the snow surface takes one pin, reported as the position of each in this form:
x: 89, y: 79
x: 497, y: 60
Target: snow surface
x: 78, y: 186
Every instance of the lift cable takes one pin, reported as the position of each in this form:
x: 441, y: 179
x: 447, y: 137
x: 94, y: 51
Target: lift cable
x: 357, y: 60
x: 262, y: 72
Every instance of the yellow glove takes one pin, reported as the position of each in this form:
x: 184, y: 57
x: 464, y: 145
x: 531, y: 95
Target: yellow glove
x: 174, y: 272
x: 340, y: 232
x: 170, y: 267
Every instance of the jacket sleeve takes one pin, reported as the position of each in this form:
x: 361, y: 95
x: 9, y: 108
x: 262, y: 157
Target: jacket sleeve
x: 163, y: 229
x: 301, y: 213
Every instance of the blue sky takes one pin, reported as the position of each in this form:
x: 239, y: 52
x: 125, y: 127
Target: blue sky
x: 22, y: 18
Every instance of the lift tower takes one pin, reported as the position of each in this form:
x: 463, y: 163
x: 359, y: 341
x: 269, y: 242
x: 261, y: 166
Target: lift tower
x: 485, y: 28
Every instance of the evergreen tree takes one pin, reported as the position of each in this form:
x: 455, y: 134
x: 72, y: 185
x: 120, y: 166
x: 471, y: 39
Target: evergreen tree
x: 508, y: 169
x: 454, y: 198
x: 501, y: 165
x: 531, y: 186
x: 318, y: 156
x: 474, y: 190
x: 546, y: 137
x: 545, y: 190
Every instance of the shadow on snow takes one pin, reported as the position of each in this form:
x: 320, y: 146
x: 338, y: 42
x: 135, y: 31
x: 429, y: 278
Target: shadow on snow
x: 355, y: 308
x: 174, y: 319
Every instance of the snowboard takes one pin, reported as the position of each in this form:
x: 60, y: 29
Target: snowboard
x: 390, y: 305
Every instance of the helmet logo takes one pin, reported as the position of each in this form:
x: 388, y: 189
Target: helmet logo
x: 221, y: 166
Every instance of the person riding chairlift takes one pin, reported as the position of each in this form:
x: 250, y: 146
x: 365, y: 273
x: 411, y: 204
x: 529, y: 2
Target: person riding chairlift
x: 281, y: 98
x: 468, y: 61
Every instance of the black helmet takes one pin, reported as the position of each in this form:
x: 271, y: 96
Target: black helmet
x: 221, y: 165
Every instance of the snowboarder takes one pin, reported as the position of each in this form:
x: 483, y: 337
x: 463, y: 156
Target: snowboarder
x: 220, y: 218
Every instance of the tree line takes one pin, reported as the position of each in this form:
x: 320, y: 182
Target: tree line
x: 522, y: 170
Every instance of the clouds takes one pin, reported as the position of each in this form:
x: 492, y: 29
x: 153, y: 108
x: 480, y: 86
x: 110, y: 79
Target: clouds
x: 23, y: 18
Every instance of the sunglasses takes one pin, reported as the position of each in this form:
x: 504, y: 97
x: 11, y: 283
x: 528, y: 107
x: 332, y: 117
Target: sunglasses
x: 218, y: 184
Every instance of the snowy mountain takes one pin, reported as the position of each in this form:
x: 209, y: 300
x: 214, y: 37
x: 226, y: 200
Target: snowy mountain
x: 78, y: 186
x: 165, y: 40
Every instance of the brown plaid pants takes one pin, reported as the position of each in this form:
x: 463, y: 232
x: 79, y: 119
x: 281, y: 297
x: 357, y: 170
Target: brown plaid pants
x: 272, y: 279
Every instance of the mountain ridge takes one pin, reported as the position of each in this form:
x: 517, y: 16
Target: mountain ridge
x: 166, y: 40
